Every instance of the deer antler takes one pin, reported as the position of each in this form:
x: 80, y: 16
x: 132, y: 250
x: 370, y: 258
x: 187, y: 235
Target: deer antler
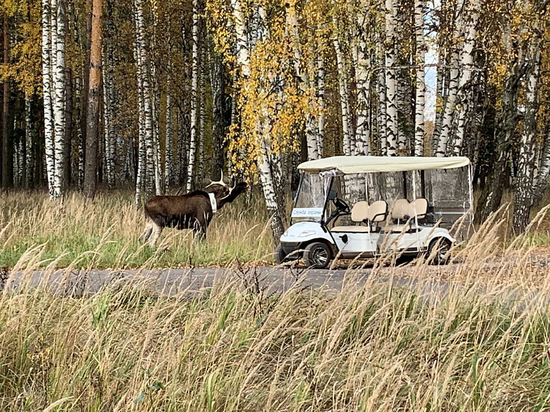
x: 220, y: 182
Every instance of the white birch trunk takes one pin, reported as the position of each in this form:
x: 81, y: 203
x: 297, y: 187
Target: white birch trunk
x: 420, y: 81
x: 543, y: 170
x: 447, y: 121
x: 108, y: 120
x: 243, y: 54
x: 202, y: 110
x: 58, y: 44
x: 321, y: 105
x: 194, y: 97
x: 168, y: 159
x: 362, y: 133
x: 155, y: 116
x: 390, y: 79
x: 382, y: 116
x: 440, y: 103
x: 303, y: 81
x: 141, y: 158
x: 29, y: 136
x: 523, y: 185
x: 47, y: 91
x: 348, y: 143
x: 146, y: 99
x: 466, y: 65
x: 264, y: 162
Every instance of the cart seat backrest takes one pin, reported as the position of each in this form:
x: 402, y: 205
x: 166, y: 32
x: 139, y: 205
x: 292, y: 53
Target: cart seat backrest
x: 419, y: 207
x: 400, y: 209
x: 360, y: 211
x: 378, y: 211
x: 403, y: 209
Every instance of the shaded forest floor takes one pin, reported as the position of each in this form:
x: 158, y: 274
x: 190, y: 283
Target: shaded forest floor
x: 36, y: 233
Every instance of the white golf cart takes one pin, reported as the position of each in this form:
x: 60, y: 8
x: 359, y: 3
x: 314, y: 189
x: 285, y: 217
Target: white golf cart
x: 365, y: 206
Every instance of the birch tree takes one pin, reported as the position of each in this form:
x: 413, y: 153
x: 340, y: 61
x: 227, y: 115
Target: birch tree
x: 146, y: 160
x: 58, y: 44
x: 347, y: 138
x: 524, y: 180
x: 168, y: 158
x: 47, y: 92
x: 320, y: 77
x: 390, y: 95
x: 420, y: 80
x: 466, y: 65
x: 194, y: 96
x: 109, y: 100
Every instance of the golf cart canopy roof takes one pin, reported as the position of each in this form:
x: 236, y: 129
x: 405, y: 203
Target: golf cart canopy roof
x: 371, y: 164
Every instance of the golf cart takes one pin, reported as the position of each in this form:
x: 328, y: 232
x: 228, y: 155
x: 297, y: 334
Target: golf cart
x: 366, y: 206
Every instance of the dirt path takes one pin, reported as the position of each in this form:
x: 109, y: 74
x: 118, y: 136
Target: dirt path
x: 277, y: 278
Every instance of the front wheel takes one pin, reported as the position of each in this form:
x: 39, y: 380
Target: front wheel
x: 280, y: 255
x: 439, y: 251
x: 317, y: 255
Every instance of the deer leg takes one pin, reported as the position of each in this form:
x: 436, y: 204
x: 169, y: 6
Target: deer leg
x: 157, y: 230
x: 199, y: 230
x: 146, y: 232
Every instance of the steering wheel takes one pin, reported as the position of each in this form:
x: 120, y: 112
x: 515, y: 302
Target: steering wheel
x: 341, y: 205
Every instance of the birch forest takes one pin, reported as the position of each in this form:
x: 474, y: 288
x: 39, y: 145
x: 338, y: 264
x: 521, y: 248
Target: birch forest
x: 154, y: 96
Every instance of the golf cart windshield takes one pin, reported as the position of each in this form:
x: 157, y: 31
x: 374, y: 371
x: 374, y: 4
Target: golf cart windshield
x: 310, y: 200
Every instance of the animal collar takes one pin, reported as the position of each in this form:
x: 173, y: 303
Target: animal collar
x: 213, y: 202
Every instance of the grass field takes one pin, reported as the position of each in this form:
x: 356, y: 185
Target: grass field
x: 104, y: 233
x: 484, y: 346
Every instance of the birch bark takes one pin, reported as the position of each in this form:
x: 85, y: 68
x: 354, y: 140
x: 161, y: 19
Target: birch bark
x: 390, y: 79
x: 523, y: 184
x: 466, y: 65
x: 168, y: 159
x: 348, y: 141
x: 362, y: 81
x: 265, y: 163
x: 144, y: 72
x: 321, y: 105
x: 543, y: 172
x: 108, y: 103
x: 303, y: 81
x: 29, y: 136
x: 58, y: 44
x: 420, y: 81
x: 194, y: 97
x: 447, y: 120
x: 47, y: 91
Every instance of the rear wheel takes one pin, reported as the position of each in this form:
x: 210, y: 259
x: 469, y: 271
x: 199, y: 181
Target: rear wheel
x: 439, y: 251
x: 280, y: 255
x: 317, y: 255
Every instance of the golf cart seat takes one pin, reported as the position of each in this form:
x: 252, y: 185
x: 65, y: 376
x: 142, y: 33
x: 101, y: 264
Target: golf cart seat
x: 404, y: 213
x: 362, y: 212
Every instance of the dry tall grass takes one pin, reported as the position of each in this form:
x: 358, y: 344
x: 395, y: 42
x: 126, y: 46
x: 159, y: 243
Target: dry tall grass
x: 104, y: 233
x: 482, y: 345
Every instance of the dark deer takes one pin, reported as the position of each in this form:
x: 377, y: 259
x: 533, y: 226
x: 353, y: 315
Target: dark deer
x: 189, y: 211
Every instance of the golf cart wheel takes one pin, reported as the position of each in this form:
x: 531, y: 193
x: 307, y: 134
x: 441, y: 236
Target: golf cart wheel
x: 317, y: 255
x: 280, y: 255
x: 439, y: 251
